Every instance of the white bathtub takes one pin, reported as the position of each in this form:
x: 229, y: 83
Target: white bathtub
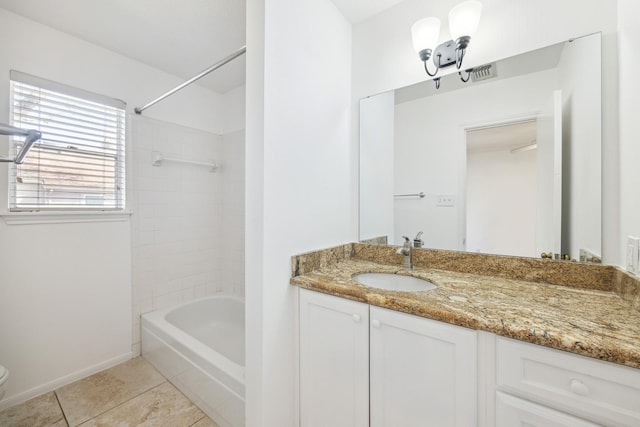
x: 199, y: 347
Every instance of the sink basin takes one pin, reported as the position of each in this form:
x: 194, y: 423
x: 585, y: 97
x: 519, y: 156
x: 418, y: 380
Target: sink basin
x: 393, y: 282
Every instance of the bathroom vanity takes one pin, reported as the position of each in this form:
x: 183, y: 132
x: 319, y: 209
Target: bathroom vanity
x: 500, y: 341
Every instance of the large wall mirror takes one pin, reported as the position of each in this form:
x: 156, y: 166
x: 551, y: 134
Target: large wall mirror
x: 508, y: 163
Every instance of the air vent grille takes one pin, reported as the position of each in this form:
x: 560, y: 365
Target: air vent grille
x: 484, y: 72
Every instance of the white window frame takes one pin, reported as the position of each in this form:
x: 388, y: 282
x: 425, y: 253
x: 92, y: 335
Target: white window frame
x: 79, y: 213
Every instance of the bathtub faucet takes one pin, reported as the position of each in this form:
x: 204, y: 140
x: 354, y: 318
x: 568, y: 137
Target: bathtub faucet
x: 407, y: 261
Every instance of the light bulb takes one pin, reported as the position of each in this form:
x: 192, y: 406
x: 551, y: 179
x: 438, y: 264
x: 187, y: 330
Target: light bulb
x: 464, y: 19
x: 425, y: 33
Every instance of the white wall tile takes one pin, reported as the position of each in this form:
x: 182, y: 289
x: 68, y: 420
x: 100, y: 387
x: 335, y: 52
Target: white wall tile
x: 167, y: 300
x: 188, y: 223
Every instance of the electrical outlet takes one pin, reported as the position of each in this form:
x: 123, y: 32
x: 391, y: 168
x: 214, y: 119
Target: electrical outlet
x: 633, y: 254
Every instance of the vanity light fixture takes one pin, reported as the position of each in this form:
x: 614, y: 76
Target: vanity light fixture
x: 463, y: 23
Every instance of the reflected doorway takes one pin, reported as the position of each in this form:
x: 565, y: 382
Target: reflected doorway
x: 502, y: 187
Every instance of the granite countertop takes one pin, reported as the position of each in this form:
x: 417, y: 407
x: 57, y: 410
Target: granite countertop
x: 593, y: 321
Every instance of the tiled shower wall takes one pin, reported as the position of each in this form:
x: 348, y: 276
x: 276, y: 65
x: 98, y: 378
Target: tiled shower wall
x: 188, y: 240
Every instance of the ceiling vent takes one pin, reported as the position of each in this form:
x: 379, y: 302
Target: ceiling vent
x: 484, y: 72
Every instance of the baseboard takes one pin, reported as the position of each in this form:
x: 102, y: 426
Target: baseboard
x: 62, y: 381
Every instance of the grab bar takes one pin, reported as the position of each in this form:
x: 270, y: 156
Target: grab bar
x: 420, y: 195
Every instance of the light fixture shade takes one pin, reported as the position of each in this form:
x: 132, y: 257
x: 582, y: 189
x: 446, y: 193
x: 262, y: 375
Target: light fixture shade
x: 425, y: 33
x: 464, y: 19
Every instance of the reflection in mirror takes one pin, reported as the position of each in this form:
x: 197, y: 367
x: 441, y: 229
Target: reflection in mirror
x: 508, y: 163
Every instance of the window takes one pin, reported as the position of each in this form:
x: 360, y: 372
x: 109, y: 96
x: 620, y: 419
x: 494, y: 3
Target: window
x: 78, y: 165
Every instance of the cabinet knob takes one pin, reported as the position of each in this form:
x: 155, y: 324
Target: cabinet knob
x: 356, y: 318
x: 375, y: 323
x: 578, y: 387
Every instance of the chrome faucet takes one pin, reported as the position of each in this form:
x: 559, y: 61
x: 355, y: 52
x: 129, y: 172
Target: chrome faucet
x: 406, y: 250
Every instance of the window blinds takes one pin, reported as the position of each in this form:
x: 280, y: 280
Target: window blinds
x: 79, y: 162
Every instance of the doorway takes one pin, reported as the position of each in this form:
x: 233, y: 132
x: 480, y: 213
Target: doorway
x: 501, y: 188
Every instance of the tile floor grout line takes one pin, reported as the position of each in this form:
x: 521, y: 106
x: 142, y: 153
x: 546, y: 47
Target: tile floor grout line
x: 64, y: 416
x: 205, y: 416
x: 68, y: 418
x: 118, y: 405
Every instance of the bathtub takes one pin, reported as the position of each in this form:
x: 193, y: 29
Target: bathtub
x: 199, y: 347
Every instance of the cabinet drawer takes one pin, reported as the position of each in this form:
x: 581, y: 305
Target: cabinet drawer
x: 589, y: 388
x: 514, y: 412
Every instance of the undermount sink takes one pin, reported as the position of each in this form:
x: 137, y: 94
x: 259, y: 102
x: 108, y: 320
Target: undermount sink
x: 393, y: 282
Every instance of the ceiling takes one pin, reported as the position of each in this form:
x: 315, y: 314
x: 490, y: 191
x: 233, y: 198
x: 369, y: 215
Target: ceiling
x: 505, y: 137
x: 359, y: 10
x: 180, y: 37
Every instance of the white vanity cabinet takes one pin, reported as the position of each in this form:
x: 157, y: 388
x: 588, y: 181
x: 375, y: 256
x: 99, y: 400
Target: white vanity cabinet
x: 334, y: 361
x: 423, y: 372
x: 403, y: 370
x: 362, y: 365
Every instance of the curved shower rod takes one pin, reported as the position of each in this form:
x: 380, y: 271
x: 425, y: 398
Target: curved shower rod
x: 31, y: 136
x: 214, y: 67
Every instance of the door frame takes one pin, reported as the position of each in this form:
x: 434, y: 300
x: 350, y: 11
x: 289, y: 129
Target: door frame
x: 462, y: 179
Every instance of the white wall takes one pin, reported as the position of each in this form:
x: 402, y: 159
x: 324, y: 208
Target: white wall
x: 233, y: 192
x: 233, y: 213
x: 383, y: 59
x: 65, y: 289
x: 430, y: 150
x: 501, y: 202
x: 65, y: 303
x: 629, y: 34
x: 299, y: 196
x: 233, y: 116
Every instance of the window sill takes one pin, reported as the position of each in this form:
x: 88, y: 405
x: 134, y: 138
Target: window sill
x: 27, y: 218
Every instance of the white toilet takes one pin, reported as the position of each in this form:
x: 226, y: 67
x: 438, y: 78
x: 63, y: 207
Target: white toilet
x: 4, y: 374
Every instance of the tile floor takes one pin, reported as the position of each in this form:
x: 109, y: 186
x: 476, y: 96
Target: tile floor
x: 130, y: 394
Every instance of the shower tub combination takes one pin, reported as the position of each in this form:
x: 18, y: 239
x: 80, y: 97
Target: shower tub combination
x: 199, y: 347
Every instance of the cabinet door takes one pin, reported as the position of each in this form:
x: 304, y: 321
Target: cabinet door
x: 514, y: 412
x: 334, y: 361
x: 423, y: 372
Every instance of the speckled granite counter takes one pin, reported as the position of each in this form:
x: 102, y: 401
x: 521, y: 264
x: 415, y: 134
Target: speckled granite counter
x: 590, y: 310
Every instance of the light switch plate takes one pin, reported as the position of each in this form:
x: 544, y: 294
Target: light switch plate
x: 445, y: 200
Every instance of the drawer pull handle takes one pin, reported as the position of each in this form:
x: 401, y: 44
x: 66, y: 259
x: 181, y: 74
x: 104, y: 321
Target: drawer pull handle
x: 356, y: 318
x: 375, y: 323
x: 578, y: 387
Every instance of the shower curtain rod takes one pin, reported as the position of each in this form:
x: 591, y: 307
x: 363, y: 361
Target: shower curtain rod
x: 214, y: 67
